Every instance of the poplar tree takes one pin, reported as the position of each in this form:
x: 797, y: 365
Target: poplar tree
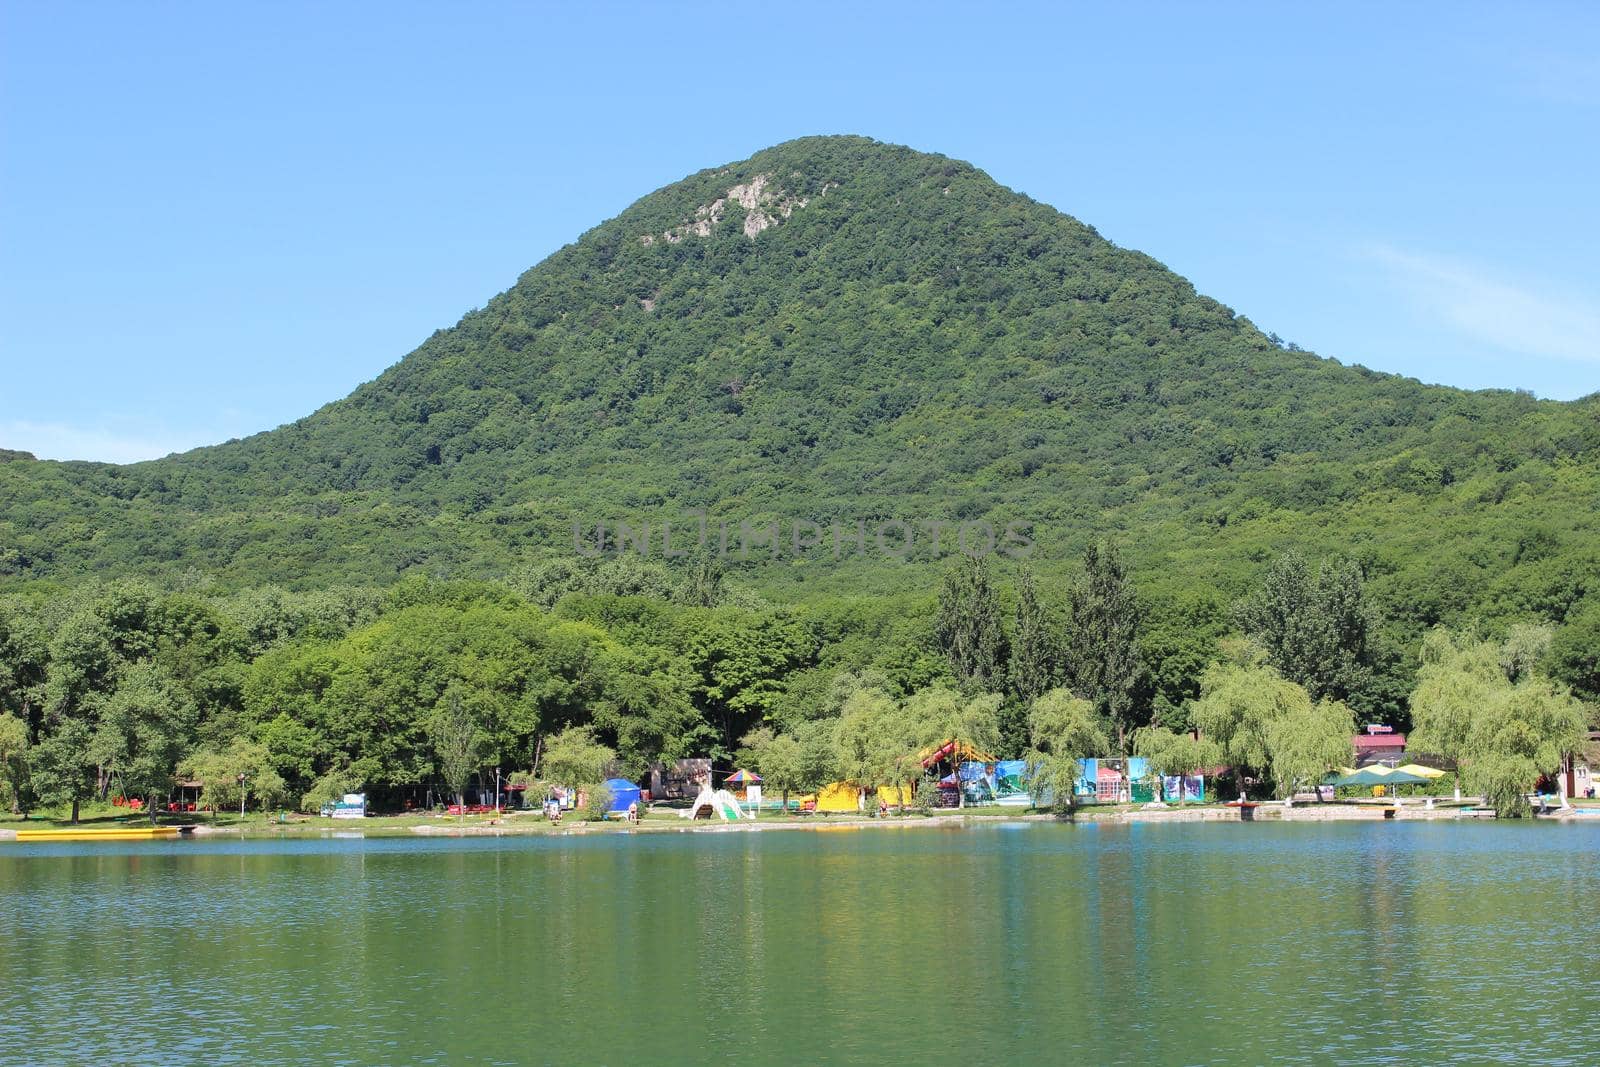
x: 1317, y: 629
x: 969, y: 629
x: 1103, y: 644
x: 457, y: 743
x: 1035, y: 649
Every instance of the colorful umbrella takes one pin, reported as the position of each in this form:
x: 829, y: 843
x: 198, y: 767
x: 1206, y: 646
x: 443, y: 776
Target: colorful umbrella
x: 741, y: 777
x: 1420, y: 770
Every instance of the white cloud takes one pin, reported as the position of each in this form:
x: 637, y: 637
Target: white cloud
x: 1515, y: 316
x: 58, y: 440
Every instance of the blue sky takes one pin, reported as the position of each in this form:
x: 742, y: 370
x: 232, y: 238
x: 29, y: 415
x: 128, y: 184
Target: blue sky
x: 216, y: 218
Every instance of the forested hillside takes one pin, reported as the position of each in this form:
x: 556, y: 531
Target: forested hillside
x: 900, y: 337
x: 833, y: 330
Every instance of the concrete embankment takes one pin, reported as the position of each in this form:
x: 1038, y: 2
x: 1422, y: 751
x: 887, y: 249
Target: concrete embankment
x: 1299, y: 813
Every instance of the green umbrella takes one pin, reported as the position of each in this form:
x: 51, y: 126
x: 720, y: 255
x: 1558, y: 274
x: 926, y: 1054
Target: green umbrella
x: 1377, y: 775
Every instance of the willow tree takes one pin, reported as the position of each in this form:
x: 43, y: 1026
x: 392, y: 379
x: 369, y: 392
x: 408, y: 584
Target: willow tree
x: 1170, y: 753
x: 1265, y: 725
x: 876, y: 741
x: 1457, y: 677
x: 1308, y: 741
x: 1503, y: 729
x: 219, y: 774
x: 574, y: 758
x: 1062, y: 729
x: 938, y: 715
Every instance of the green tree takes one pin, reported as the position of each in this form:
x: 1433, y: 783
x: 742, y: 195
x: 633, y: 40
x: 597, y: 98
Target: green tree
x: 818, y: 755
x: 1036, y: 660
x: 938, y: 715
x: 145, y: 727
x: 574, y: 758
x: 969, y: 628
x: 1502, y: 732
x: 1307, y: 742
x: 1575, y: 650
x: 1177, y: 641
x: 1103, y: 639
x: 219, y: 774
x: 1242, y: 699
x: 1522, y: 734
x: 780, y: 760
x: 1062, y: 729
x: 742, y: 660
x: 63, y: 766
x: 457, y: 743
x: 14, y: 763
x: 1036, y: 654
x: 876, y: 741
x: 1458, y: 676
x: 1318, y: 629
x: 1171, y: 753
x: 1524, y: 650
x: 330, y: 787
x: 24, y: 661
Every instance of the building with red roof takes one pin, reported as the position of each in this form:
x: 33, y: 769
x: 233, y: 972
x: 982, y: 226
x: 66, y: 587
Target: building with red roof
x: 1380, y: 744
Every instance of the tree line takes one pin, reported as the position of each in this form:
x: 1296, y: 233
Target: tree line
x: 562, y: 671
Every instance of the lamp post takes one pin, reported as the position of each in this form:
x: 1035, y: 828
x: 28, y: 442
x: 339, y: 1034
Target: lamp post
x: 242, y: 780
x: 497, y: 790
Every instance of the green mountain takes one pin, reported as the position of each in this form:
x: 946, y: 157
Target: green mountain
x: 841, y: 330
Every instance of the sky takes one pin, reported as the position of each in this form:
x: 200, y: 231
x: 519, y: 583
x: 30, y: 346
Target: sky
x: 216, y: 218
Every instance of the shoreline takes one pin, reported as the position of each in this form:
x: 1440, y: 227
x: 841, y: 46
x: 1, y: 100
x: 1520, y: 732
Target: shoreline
x: 533, y: 825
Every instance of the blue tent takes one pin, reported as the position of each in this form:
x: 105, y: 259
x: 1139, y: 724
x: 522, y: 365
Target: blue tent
x: 623, y: 793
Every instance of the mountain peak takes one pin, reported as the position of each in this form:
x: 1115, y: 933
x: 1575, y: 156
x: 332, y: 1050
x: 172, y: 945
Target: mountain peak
x: 831, y: 329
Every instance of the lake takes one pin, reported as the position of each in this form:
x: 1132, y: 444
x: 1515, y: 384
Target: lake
x: 1224, y: 943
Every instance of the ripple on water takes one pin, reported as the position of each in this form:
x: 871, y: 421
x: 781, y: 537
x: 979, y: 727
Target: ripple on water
x: 1226, y: 943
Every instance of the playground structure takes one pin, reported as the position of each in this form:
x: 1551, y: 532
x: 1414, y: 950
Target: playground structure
x: 719, y: 802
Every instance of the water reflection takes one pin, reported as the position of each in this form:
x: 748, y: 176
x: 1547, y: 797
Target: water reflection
x: 1197, y: 944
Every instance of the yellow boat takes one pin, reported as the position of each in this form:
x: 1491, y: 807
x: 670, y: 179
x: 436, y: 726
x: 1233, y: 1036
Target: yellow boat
x: 106, y: 833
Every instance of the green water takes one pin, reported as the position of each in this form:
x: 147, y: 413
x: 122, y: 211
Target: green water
x: 1227, y: 943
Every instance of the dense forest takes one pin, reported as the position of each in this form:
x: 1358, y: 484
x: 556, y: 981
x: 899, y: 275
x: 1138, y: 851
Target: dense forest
x: 833, y: 331
x: 118, y: 687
